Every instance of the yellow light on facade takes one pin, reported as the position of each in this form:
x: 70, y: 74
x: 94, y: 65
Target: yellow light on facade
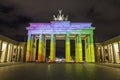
x: 4, y: 46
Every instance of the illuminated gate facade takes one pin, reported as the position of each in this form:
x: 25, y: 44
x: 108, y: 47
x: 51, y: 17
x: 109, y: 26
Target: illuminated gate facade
x: 60, y: 29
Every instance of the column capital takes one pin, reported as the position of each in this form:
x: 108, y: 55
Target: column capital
x: 52, y: 37
x: 29, y: 34
x: 67, y: 34
x: 91, y: 34
x: 40, y: 36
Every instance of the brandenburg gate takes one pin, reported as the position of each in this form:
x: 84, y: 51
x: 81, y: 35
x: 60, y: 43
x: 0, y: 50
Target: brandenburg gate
x: 60, y: 29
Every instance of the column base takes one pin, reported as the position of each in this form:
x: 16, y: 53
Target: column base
x: 27, y: 58
x: 51, y: 61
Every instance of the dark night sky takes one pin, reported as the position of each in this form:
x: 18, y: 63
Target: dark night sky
x: 15, y: 15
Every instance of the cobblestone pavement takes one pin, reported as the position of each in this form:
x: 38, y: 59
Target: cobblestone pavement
x: 58, y: 71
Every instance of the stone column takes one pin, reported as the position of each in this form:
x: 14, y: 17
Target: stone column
x: 80, y: 57
x: 119, y: 50
x: 1, y: 49
x: 108, y: 53
x: 116, y: 52
x: 31, y: 48
x: 44, y: 49
x: 9, y: 52
x: 89, y: 50
x: 34, y: 48
x: 67, y: 54
x: 6, y: 53
x: 52, y: 48
x: 28, y: 51
x: 11, y: 55
x: 18, y: 54
x: 92, y: 48
x: 98, y: 54
x: 104, y: 49
x: 86, y: 50
x: 103, y: 53
x: 21, y: 54
x: 111, y: 53
x: 76, y: 49
x: 40, y: 48
x: 114, y: 60
x: 15, y: 53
